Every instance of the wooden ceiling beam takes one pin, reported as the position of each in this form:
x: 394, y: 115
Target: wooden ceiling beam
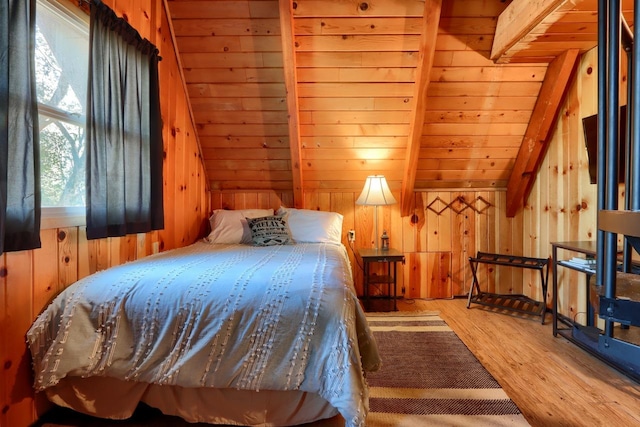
x: 536, y: 139
x: 430, y: 24
x: 291, y: 86
x: 521, y: 23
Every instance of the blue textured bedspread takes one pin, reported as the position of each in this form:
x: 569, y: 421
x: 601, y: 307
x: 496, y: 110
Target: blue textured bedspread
x: 225, y: 316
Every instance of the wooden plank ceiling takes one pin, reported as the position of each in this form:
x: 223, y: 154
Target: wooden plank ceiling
x: 314, y: 95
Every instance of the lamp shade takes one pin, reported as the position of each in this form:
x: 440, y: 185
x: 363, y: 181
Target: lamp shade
x: 376, y: 192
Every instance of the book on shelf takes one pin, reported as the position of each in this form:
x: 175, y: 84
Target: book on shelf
x: 587, y: 262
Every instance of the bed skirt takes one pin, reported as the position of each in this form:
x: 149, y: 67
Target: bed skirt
x: 118, y: 399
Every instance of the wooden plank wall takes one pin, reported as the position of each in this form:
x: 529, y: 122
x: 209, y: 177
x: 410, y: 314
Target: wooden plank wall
x: 563, y: 204
x: 29, y: 279
x: 355, y: 67
x: 477, y: 111
x: 446, y: 228
x: 233, y: 64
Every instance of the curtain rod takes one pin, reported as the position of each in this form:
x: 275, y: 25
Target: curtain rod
x: 85, y: 5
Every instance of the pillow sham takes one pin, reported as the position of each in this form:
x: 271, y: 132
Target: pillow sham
x: 269, y: 231
x: 309, y: 226
x: 230, y: 226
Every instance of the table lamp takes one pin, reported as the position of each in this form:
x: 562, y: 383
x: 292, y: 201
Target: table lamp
x: 376, y: 193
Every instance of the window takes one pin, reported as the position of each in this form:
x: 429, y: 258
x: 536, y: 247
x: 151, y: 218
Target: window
x: 61, y: 55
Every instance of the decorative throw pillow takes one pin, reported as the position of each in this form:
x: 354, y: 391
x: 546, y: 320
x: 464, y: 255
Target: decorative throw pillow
x: 230, y: 226
x: 269, y: 231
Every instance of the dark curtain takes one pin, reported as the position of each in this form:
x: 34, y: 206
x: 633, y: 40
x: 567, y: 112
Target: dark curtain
x: 19, y: 141
x: 124, y: 130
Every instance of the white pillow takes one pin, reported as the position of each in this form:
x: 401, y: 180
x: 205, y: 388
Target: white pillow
x: 311, y: 226
x: 230, y: 226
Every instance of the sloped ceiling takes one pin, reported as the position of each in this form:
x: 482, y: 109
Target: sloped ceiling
x: 312, y: 95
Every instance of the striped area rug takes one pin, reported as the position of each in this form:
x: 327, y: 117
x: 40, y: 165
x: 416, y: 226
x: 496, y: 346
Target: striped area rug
x: 429, y: 377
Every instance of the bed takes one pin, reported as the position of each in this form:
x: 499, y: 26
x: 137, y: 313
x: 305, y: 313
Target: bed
x: 265, y: 331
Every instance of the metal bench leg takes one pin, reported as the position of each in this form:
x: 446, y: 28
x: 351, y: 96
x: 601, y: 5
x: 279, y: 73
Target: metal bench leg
x: 474, y: 284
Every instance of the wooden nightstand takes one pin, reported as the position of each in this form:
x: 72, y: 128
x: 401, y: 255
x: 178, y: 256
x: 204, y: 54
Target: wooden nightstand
x: 391, y: 257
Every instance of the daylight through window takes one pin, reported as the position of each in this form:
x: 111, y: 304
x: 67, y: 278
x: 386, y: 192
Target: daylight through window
x: 61, y: 54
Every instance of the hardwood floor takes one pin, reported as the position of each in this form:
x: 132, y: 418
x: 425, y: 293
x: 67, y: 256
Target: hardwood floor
x: 552, y: 381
